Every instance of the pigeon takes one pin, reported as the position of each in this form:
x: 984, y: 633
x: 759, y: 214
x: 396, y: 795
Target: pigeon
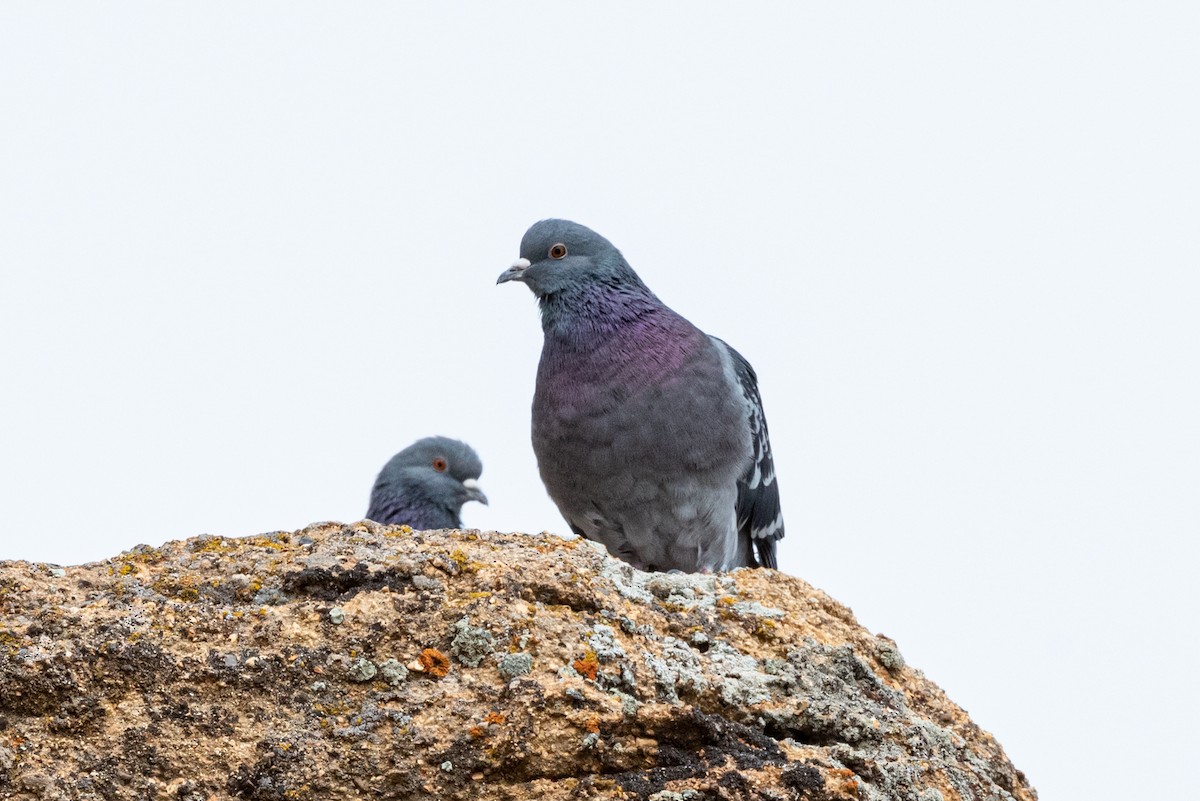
x: 426, y: 484
x: 649, y: 434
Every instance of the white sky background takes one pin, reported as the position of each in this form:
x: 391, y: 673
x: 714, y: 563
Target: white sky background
x: 249, y: 252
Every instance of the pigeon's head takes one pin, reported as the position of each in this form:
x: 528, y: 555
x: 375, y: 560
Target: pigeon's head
x: 559, y: 257
x: 440, y: 469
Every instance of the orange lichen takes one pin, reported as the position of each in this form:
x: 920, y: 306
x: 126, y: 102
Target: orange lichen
x: 849, y: 783
x: 593, y: 724
x: 588, y: 665
x: 476, y: 732
x: 435, y: 662
x: 495, y: 718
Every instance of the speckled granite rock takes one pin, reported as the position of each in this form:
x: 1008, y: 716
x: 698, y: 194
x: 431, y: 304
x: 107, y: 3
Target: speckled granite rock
x: 375, y: 662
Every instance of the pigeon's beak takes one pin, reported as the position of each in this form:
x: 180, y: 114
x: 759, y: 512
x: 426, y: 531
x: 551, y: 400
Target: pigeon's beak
x: 474, y: 493
x: 514, y: 273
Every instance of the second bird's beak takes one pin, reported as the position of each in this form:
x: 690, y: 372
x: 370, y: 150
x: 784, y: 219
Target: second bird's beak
x: 474, y: 493
x: 514, y: 273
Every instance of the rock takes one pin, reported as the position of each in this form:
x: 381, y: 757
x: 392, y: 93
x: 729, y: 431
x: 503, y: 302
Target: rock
x: 542, y: 669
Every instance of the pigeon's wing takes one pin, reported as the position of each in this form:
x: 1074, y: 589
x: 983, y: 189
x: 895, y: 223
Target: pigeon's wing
x: 759, y: 517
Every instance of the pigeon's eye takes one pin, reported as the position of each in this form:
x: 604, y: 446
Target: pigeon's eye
x: 558, y: 251
x: 439, y: 464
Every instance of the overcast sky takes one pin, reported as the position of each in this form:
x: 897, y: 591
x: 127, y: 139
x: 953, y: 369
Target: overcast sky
x: 249, y: 252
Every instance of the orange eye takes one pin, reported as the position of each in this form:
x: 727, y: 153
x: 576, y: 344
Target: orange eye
x: 439, y: 464
x: 558, y: 251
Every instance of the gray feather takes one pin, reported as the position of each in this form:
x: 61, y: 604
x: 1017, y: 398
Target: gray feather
x: 760, y: 519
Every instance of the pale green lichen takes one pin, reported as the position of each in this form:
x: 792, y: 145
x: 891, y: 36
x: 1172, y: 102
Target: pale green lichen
x: 471, y: 644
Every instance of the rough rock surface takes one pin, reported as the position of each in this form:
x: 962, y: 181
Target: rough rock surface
x: 377, y: 662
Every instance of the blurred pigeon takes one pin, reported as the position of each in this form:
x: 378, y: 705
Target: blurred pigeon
x: 649, y: 434
x: 426, y: 484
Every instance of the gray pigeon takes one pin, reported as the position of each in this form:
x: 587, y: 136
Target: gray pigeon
x: 649, y: 433
x: 426, y: 484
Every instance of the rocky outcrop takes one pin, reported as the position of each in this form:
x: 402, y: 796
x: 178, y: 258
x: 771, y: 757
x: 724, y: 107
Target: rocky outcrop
x: 377, y: 662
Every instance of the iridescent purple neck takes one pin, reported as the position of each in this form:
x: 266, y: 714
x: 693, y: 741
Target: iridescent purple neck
x: 605, y: 329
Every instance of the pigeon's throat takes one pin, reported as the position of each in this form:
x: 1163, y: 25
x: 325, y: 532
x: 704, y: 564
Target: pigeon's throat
x: 598, y: 312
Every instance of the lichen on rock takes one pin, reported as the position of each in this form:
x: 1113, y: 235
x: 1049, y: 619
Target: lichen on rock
x: 371, y: 661
x: 471, y: 644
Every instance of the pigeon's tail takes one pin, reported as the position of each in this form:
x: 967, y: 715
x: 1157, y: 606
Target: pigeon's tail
x: 758, y: 552
x: 766, y: 554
